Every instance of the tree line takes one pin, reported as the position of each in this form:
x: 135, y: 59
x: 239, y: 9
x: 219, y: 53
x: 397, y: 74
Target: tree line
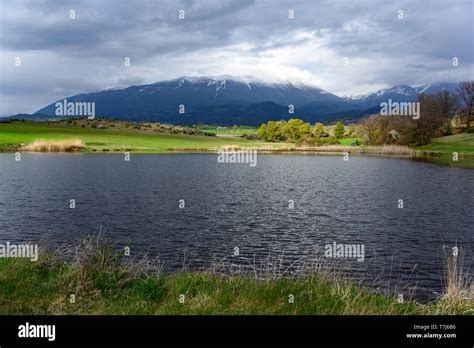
x: 298, y: 131
x: 441, y: 114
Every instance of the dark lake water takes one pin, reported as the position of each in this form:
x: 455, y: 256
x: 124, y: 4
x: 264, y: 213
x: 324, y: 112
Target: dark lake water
x: 236, y: 205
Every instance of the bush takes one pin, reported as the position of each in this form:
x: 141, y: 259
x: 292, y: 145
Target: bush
x: 249, y: 136
x: 446, y: 130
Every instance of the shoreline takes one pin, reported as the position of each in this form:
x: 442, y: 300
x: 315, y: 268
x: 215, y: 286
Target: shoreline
x: 396, y: 151
x: 433, y: 157
x: 102, y: 280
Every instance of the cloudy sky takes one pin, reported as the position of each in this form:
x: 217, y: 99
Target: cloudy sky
x: 343, y: 46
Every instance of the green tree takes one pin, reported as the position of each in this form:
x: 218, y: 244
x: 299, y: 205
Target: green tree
x: 339, y: 130
x: 295, y: 129
x: 271, y: 131
x: 319, y: 131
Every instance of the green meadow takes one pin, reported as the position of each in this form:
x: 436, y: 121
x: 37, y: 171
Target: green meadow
x: 461, y: 143
x: 230, y: 131
x: 442, y: 150
x: 142, y: 140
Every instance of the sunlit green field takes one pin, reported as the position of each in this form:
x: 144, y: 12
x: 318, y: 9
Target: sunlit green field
x: 348, y: 141
x: 113, y: 139
x: 230, y: 131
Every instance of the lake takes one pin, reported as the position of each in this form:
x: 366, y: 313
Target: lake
x: 229, y: 206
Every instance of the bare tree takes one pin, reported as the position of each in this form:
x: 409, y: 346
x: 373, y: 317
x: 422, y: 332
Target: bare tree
x: 449, y: 105
x: 431, y: 119
x: 466, y: 94
x: 374, y: 129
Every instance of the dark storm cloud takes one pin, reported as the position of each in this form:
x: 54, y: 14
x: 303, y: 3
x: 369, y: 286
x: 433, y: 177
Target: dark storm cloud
x: 61, y: 56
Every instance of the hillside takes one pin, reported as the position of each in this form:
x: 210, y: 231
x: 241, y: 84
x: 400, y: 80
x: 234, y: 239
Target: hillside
x: 229, y: 100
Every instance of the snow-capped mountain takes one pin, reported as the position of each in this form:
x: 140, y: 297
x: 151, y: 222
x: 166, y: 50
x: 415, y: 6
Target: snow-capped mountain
x: 437, y: 87
x: 400, y: 93
x: 222, y: 99
x: 228, y: 100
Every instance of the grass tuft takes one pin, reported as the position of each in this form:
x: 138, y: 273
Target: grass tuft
x: 458, y: 295
x: 68, y: 145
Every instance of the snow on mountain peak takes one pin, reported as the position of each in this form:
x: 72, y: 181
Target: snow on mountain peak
x: 249, y: 81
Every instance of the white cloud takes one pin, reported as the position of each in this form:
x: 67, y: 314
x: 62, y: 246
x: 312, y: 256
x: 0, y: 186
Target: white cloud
x: 62, y: 57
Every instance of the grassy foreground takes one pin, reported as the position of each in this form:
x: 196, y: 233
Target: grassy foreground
x: 102, y: 283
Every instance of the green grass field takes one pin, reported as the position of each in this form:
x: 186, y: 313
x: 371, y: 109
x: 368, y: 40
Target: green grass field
x: 445, y: 147
x: 143, y: 140
x: 116, y: 139
x: 230, y: 131
x: 348, y: 141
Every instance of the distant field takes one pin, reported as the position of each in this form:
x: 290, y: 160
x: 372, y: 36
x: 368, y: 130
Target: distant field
x: 144, y: 140
x: 120, y: 136
x: 348, y: 141
x: 229, y: 131
x: 116, y: 139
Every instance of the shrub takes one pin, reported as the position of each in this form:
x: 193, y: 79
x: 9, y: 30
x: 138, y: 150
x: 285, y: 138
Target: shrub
x: 249, y: 136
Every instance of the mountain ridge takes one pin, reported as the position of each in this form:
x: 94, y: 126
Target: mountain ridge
x: 225, y: 99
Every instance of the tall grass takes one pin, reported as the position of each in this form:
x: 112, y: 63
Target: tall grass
x: 393, y: 150
x: 105, y: 281
x: 67, y: 145
x: 458, y: 294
